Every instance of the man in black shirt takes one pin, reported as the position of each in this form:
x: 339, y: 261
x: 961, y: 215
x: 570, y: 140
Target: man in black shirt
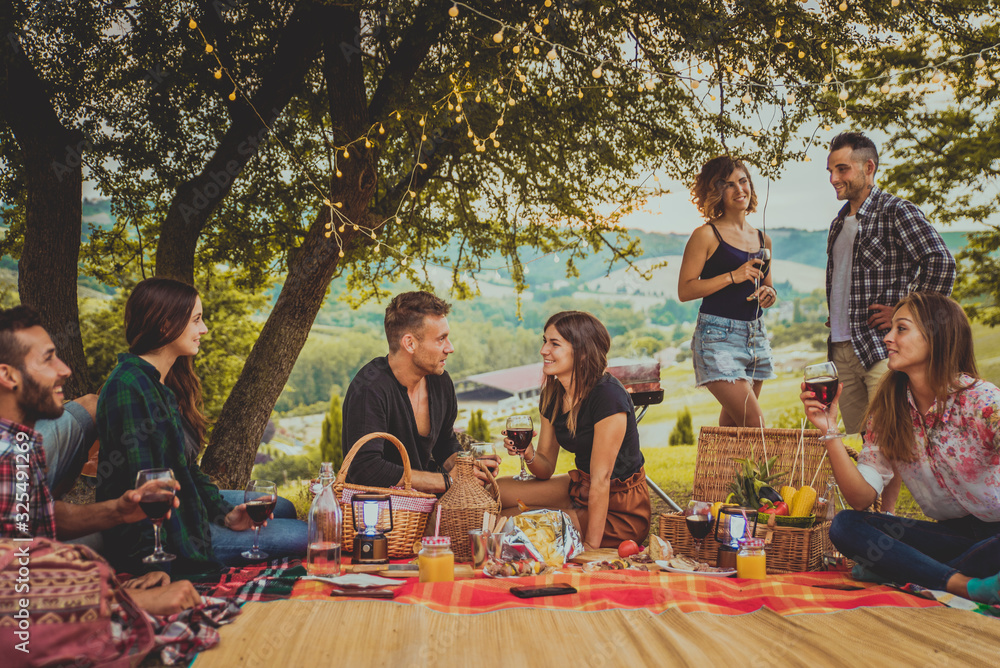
x: 409, y: 395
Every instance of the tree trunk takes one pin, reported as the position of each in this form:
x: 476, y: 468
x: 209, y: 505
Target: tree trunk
x: 236, y: 436
x: 197, y: 199
x: 52, y: 155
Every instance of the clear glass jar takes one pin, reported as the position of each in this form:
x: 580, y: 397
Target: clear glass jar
x: 436, y: 560
x: 751, y: 561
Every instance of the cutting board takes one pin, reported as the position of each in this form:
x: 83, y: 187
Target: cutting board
x: 462, y: 571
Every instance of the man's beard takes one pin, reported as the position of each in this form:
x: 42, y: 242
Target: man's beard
x: 36, y: 402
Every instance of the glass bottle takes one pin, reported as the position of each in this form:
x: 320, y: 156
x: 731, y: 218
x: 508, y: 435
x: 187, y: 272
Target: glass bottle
x: 325, y: 525
x: 834, y: 503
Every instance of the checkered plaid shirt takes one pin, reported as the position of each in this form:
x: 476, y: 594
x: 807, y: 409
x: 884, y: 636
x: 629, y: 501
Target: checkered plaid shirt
x: 26, y: 506
x: 140, y: 427
x: 896, y: 252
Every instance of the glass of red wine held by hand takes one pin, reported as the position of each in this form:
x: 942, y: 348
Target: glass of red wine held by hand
x: 698, y: 518
x: 260, y: 498
x: 156, y: 490
x: 822, y: 379
x: 520, y: 430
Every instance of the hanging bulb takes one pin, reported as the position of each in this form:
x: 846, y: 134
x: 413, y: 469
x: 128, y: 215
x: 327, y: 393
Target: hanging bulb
x: 774, y: 162
x: 496, y: 144
x: 552, y: 55
x: 597, y: 72
x: 885, y: 89
x: 517, y: 48
x: 579, y: 94
x: 842, y: 95
x: 498, y: 37
x: 412, y: 194
x: 340, y: 254
x: 326, y: 234
x: 842, y: 7
x: 510, y: 102
x: 218, y: 74
x: 458, y: 119
x: 535, y: 50
x: 712, y: 97
x: 339, y: 173
x: 232, y: 96
x: 827, y: 127
x: 500, y: 122
x: 936, y: 78
x: 423, y: 137
x: 611, y: 93
x: 422, y: 121
x: 538, y: 29
x: 341, y: 228
x: 827, y: 78
x: 469, y: 134
x: 790, y: 98
x: 209, y: 48
x: 695, y: 84
x: 192, y: 24
x: 381, y: 129
x: 339, y: 205
x: 650, y: 84
x: 399, y: 116
x: 746, y: 99
x: 895, y: 3
x: 478, y: 98
x: 423, y: 165
x: 802, y: 54
x: 549, y: 92
x: 453, y: 12
x: 555, y: 258
x: 368, y: 143
x: 980, y: 63
x: 524, y: 89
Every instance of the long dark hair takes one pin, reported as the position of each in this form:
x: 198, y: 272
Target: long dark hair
x: 944, y: 325
x: 591, y: 343
x: 156, y: 313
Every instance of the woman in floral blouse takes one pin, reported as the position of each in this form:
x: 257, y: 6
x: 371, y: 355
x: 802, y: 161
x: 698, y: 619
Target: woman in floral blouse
x: 934, y: 423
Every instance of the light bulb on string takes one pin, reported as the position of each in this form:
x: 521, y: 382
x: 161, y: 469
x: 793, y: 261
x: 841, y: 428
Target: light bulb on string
x: 209, y: 48
x: 341, y: 228
x: 346, y: 154
x: 884, y: 89
x: 498, y: 37
x: 500, y: 122
x: 555, y: 259
x: 538, y: 29
x: 842, y: 95
x: 552, y: 54
x: 453, y: 12
x: 842, y: 7
x: 790, y: 98
x: 232, y: 96
x: 340, y: 254
x: 478, y: 98
x: 516, y: 49
x: 339, y: 173
x: 802, y: 54
x: 695, y: 84
x: 597, y: 72
x: 399, y: 116
x: 535, y: 50
x: 192, y: 25
x: 936, y: 77
x: 611, y: 93
x: 895, y: 3
x: 218, y: 74
x: 746, y: 99
x: 381, y: 129
x: 510, y: 102
x: 980, y: 62
x: 579, y: 94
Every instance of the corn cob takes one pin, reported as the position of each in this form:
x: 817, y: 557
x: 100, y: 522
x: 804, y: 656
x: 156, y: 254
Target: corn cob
x: 787, y: 492
x: 803, y: 501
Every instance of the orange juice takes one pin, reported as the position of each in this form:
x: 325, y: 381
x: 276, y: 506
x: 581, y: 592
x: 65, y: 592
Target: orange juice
x: 436, y: 561
x: 751, y: 566
x: 751, y: 562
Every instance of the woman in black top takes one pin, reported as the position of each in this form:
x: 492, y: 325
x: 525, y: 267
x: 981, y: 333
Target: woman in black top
x: 726, y: 264
x: 587, y: 411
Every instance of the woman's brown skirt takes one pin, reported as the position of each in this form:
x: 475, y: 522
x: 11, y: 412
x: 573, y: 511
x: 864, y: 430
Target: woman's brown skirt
x: 628, y: 507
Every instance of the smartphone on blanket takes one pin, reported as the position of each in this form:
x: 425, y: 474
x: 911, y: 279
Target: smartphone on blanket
x: 548, y: 590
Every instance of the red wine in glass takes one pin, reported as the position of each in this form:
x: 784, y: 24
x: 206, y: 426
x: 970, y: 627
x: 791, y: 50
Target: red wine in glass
x: 260, y: 509
x: 521, y: 438
x: 825, y: 388
x: 259, y: 497
x: 156, y: 498
x: 156, y: 506
x: 698, y: 525
x: 824, y: 380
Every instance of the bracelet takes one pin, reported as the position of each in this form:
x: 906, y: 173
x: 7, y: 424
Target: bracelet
x: 732, y: 279
x: 447, y: 481
x: 534, y: 453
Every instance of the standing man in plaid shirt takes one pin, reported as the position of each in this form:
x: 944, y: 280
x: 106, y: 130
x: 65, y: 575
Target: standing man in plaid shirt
x: 880, y: 249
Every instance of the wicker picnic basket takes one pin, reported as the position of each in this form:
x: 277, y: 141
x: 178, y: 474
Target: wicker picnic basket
x: 463, y: 505
x: 410, y: 508
x: 789, y: 549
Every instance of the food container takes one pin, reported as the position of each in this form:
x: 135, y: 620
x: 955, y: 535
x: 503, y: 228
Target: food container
x: 436, y: 561
x: 751, y: 562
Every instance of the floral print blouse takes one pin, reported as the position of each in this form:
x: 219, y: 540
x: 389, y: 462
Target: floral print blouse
x: 957, y: 471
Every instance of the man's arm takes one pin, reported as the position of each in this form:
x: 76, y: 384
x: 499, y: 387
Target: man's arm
x: 926, y: 249
x: 75, y: 520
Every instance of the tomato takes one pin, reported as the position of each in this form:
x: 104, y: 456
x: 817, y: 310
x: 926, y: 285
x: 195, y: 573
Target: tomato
x: 781, y: 508
x: 628, y: 548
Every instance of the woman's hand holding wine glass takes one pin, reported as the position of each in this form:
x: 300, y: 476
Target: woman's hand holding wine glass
x: 520, y: 430
x: 820, y: 394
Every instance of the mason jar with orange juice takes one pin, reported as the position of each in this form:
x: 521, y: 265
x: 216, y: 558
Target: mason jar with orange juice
x: 751, y: 562
x: 436, y: 561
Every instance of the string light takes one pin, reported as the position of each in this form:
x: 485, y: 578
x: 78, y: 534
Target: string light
x: 498, y: 37
x: 453, y: 12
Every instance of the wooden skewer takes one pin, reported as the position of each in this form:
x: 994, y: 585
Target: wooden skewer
x: 813, y: 482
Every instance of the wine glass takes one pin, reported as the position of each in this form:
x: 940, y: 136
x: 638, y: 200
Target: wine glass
x: 260, y: 498
x: 520, y: 430
x: 156, y: 498
x: 698, y: 518
x: 764, y: 254
x: 824, y: 380
x: 482, y: 449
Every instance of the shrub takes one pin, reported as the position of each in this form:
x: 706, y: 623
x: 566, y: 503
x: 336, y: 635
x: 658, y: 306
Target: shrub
x: 330, y: 447
x: 683, y: 432
x: 479, y: 428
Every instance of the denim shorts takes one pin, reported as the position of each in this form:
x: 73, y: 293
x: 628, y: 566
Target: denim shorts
x: 730, y: 350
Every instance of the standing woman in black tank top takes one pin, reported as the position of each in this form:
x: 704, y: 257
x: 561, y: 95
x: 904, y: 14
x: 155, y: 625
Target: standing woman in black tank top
x: 724, y: 267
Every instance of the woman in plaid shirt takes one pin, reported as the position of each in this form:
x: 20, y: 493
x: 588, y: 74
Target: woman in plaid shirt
x: 149, y: 416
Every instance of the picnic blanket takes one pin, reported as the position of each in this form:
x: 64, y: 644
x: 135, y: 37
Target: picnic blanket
x: 384, y: 633
x: 656, y: 592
